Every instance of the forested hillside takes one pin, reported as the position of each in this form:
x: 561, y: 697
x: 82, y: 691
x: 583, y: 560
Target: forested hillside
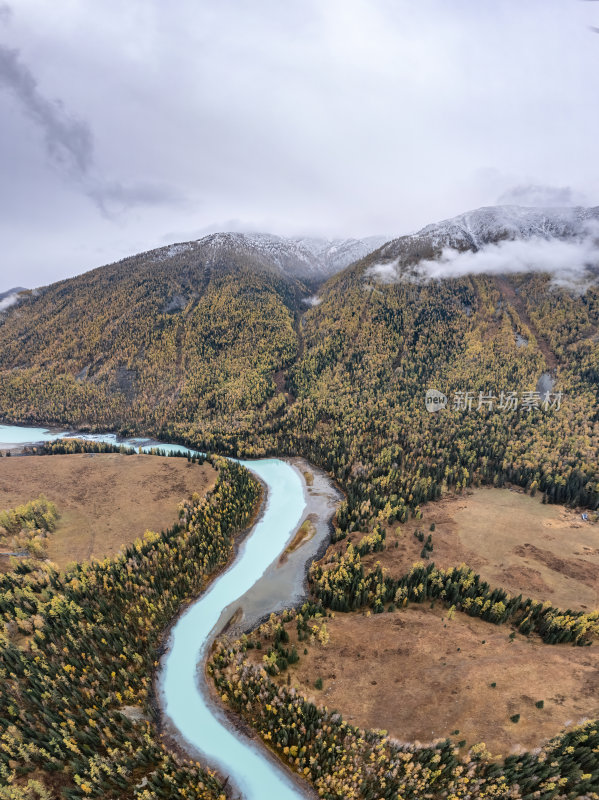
x: 217, y: 347
x: 170, y: 334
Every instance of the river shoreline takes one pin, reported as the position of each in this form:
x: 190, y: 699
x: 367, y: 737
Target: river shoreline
x: 172, y: 740
x: 241, y: 726
x: 236, y: 721
x: 172, y: 737
x: 236, y: 755
x: 291, y: 575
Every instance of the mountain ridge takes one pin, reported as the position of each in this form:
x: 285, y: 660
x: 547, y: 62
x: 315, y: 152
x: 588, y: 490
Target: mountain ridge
x: 10, y: 297
x: 489, y: 225
x: 14, y: 290
x: 210, y: 343
x: 311, y: 259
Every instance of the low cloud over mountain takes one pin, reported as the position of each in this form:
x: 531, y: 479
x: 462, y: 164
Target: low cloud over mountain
x: 500, y: 240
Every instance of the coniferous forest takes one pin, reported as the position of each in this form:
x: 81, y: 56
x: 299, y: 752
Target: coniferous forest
x: 339, y: 260
x: 81, y: 647
x: 239, y: 366
x: 242, y: 368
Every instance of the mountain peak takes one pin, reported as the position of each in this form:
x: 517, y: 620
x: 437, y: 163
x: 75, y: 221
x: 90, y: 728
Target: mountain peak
x: 491, y: 224
x: 307, y: 258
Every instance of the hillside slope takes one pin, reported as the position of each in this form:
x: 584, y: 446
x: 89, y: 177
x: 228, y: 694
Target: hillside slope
x: 173, y: 333
x: 10, y: 297
x: 213, y: 345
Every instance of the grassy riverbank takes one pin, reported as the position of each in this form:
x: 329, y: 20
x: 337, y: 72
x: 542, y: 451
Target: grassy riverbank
x: 97, y: 635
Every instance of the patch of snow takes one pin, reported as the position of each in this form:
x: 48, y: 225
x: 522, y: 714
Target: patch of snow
x: 492, y: 223
x: 336, y: 254
x: 172, y: 250
x: 563, y: 242
x: 303, y: 257
x: 306, y: 258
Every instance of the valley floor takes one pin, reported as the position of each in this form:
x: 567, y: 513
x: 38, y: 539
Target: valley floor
x: 423, y: 673
x: 512, y: 540
x: 422, y: 677
x: 105, y: 500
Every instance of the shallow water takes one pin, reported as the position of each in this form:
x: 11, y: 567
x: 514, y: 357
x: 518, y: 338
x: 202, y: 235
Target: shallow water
x: 12, y: 436
x: 258, y: 584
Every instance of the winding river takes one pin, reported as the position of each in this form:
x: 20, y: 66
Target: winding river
x: 256, y: 583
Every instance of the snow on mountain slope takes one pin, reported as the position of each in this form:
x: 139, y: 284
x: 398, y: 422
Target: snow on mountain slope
x: 492, y: 224
x: 562, y: 242
x: 336, y: 254
x: 310, y: 259
x: 271, y: 251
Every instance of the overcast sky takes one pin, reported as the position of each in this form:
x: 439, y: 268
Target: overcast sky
x: 127, y: 126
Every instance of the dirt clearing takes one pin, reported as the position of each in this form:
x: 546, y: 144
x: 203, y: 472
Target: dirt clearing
x: 512, y: 540
x: 422, y: 677
x: 105, y: 499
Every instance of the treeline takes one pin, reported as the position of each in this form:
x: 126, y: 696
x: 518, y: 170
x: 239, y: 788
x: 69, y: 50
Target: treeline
x: 346, y: 587
x: 71, y: 446
x: 91, y: 647
x: 343, y: 761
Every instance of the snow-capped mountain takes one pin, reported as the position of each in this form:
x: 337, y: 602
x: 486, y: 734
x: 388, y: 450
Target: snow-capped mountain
x: 489, y: 225
x: 310, y: 259
x: 500, y: 240
x: 336, y: 254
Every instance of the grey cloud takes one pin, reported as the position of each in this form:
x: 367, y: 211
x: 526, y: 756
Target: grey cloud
x: 542, y: 196
x: 333, y: 119
x: 112, y: 197
x: 388, y: 272
x: 70, y: 144
x: 230, y: 225
x: 5, y: 12
x: 8, y: 300
x: 68, y: 140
